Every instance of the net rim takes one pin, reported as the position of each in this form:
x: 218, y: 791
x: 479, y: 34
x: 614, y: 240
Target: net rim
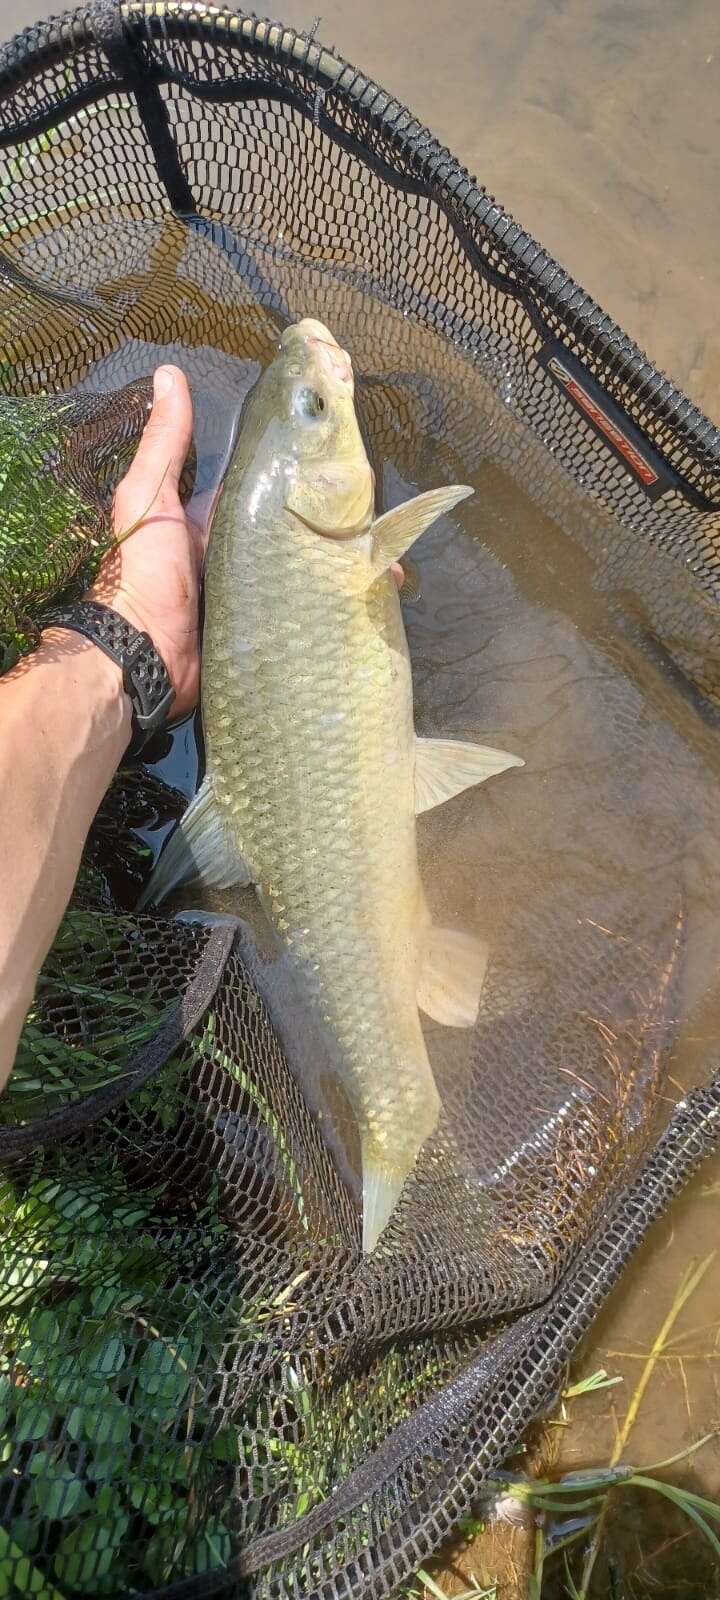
x: 547, y: 284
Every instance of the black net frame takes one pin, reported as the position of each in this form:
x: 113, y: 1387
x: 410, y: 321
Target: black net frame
x: 507, y: 1344
x: 299, y: 70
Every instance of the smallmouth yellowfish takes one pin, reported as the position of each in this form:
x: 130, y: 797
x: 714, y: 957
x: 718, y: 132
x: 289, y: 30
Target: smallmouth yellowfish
x: 315, y: 775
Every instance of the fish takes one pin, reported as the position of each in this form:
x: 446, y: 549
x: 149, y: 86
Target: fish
x: 314, y: 773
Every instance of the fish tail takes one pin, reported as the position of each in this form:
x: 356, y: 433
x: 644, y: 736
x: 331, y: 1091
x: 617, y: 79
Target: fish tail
x: 382, y: 1186
x: 386, y: 1163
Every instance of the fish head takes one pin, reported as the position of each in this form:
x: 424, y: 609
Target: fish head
x: 329, y: 485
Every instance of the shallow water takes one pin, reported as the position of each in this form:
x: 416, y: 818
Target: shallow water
x: 593, y: 873
x: 597, y: 125
x: 607, y: 841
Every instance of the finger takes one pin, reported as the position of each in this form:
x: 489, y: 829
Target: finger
x: 164, y: 445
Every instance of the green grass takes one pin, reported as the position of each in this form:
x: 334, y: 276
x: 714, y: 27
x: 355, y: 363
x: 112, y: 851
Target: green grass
x: 582, y: 1498
x: 590, y: 1385
x: 100, y: 1024
x: 431, y: 1589
x: 108, y: 1353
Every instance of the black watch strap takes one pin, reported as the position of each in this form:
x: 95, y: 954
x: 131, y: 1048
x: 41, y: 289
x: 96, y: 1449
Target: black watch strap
x: 145, y: 677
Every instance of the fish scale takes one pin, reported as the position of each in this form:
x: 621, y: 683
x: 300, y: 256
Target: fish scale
x: 314, y: 772
x: 340, y: 883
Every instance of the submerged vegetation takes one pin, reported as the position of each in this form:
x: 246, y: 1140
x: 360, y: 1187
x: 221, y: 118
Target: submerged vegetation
x: 134, y: 1454
x: 123, y: 1314
x: 106, y: 1422
x: 133, y: 1451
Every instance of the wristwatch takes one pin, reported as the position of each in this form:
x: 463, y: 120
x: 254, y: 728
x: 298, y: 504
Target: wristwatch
x: 144, y: 674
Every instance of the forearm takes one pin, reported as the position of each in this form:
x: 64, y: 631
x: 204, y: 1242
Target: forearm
x: 64, y: 724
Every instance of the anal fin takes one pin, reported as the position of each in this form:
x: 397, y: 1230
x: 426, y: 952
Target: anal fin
x: 452, y: 976
x: 445, y: 767
x: 200, y: 848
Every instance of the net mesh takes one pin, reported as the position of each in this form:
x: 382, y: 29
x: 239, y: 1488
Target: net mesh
x: 59, y: 460
x: 206, y: 1388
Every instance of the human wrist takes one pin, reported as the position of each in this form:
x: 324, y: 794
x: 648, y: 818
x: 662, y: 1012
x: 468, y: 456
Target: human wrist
x: 123, y: 601
x: 96, y: 676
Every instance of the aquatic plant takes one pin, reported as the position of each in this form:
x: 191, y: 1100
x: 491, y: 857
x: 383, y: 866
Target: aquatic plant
x: 578, y: 1503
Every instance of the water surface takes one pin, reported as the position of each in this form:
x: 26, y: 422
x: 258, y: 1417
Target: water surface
x: 593, y: 873
x: 598, y: 126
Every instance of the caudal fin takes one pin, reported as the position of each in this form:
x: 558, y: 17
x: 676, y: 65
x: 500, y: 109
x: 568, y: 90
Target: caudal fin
x: 382, y: 1186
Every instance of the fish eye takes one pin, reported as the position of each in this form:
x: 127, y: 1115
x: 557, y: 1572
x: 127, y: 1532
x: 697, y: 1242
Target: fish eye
x: 308, y: 403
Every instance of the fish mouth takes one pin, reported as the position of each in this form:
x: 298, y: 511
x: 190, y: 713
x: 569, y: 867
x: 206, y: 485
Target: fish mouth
x: 334, y: 362
x: 307, y: 328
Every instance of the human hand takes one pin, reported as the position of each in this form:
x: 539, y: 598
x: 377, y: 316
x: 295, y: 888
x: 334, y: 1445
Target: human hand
x: 153, y: 577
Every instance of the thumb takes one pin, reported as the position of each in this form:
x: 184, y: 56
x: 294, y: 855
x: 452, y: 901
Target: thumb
x: 165, y: 441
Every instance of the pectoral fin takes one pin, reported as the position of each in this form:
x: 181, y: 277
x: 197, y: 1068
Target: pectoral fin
x: 444, y: 767
x: 200, y: 848
x: 452, y: 976
x: 394, y: 532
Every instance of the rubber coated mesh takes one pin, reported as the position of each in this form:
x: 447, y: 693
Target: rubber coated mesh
x: 56, y: 456
x: 206, y: 1389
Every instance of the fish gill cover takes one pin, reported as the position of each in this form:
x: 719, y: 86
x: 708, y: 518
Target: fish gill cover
x: 206, y: 1387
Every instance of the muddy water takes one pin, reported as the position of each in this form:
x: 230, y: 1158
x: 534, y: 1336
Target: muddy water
x: 597, y: 124
x: 593, y: 874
